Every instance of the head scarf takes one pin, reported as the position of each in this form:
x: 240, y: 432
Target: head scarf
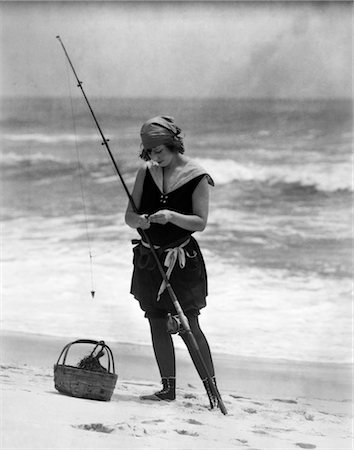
x: 159, y: 130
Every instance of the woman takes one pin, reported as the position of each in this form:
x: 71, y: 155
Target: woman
x: 172, y: 199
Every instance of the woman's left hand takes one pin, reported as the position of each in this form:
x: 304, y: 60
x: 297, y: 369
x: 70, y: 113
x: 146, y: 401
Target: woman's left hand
x: 161, y: 217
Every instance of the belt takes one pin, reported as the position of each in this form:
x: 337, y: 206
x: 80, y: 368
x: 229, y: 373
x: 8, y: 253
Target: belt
x: 172, y: 255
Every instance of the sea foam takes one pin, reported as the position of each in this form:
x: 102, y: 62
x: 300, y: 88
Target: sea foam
x: 321, y: 176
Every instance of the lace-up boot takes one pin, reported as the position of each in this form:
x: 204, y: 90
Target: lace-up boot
x: 212, y: 398
x: 168, y: 391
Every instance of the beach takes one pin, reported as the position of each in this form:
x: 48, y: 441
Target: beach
x: 272, y: 404
x: 278, y: 254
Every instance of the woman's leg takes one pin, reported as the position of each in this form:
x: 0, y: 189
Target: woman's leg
x: 203, y: 347
x: 165, y: 358
x: 163, y: 347
x: 206, y: 355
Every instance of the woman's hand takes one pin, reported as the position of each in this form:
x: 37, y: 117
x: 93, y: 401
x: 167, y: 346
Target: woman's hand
x: 196, y: 221
x: 143, y: 222
x: 161, y: 217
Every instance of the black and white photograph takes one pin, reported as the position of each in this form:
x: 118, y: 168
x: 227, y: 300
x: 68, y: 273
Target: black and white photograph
x: 176, y: 225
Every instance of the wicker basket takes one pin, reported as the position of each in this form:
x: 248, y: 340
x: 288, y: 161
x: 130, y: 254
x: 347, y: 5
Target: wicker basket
x: 83, y: 383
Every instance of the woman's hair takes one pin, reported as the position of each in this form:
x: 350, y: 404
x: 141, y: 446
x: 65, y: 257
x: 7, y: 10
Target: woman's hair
x: 175, y: 145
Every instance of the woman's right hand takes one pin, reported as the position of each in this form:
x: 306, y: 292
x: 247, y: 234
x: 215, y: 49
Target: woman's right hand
x: 143, y: 222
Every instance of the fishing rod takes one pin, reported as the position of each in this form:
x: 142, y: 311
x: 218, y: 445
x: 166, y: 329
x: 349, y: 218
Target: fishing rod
x: 184, y: 321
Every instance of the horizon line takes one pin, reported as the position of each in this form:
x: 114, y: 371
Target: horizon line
x: 197, y: 98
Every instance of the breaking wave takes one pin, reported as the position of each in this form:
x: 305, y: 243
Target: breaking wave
x: 321, y: 177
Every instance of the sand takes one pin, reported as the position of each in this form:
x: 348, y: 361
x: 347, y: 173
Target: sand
x: 272, y: 404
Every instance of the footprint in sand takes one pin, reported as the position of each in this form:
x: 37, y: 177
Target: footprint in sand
x: 194, y: 422
x: 281, y: 430
x: 189, y: 396
x: 188, y: 404
x: 250, y: 410
x: 243, y: 441
x: 153, y: 421
x: 98, y: 427
x: 302, y: 445
x: 293, y: 402
x: 187, y: 433
x: 239, y: 397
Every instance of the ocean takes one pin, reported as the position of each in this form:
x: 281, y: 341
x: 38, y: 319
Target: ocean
x: 278, y: 245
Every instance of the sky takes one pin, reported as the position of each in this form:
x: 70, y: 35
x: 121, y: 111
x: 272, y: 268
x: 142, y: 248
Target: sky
x: 178, y: 49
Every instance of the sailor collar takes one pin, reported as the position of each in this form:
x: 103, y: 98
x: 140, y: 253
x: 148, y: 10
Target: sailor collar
x: 182, y: 176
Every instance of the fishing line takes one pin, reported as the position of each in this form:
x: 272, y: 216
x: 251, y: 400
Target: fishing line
x: 80, y: 171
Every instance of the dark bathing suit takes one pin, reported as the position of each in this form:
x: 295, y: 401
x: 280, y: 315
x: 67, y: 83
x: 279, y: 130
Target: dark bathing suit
x: 190, y: 282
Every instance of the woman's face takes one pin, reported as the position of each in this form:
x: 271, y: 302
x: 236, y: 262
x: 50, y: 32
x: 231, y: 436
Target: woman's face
x: 161, y: 155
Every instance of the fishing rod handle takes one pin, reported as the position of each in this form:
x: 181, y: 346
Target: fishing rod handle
x: 211, y: 383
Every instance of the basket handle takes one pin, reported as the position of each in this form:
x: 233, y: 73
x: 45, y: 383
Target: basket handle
x: 89, y: 341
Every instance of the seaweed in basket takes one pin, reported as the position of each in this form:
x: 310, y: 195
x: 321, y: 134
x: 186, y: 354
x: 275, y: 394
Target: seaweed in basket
x: 92, y: 363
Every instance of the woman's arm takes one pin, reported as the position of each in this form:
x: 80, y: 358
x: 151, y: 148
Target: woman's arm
x: 193, y: 222
x: 133, y: 219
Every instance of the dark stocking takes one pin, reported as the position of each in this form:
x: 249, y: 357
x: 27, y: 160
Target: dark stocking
x: 163, y: 348
x: 203, y: 347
